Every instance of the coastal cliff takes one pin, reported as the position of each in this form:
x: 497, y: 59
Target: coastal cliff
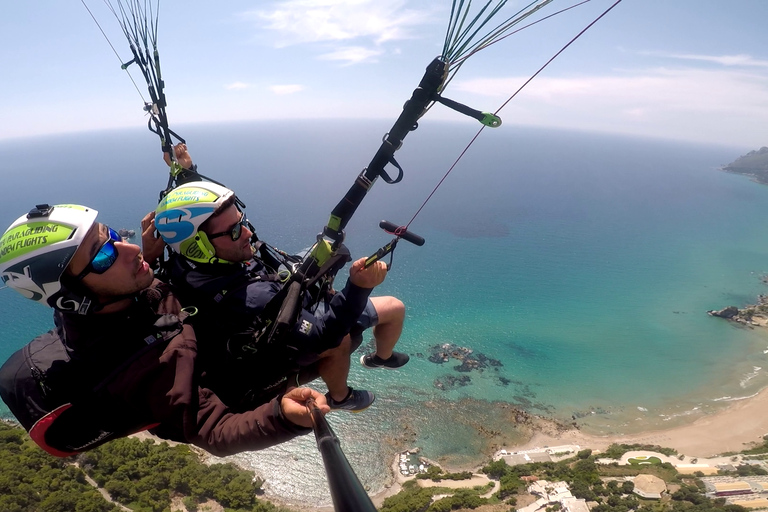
x: 753, y: 164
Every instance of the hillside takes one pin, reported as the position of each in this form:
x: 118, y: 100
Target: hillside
x: 139, y: 476
x: 754, y: 164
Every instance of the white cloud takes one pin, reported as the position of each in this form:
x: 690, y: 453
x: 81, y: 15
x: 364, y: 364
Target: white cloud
x: 369, y: 23
x: 680, y: 103
x: 300, y: 21
x: 352, y: 54
x: 234, y: 86
x: 286, y: 89
x: 742, y: 60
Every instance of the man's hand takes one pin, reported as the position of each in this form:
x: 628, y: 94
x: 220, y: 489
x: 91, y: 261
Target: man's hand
x: 294, y: 405
x: 181, y: 154
x: 151, y: 244
x: 367, y: 277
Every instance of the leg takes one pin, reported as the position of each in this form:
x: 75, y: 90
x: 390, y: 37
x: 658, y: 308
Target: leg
x: 333, y: 367
x: 391, y: 313
x: 387, y: 320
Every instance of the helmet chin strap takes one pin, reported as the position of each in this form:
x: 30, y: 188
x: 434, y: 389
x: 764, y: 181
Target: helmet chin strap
x: 214, y: 259
x: 101, y: 305
x: 88, y: 302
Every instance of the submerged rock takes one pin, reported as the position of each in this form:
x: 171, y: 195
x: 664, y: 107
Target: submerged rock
x: 443, y: 353
x: 451, y: 382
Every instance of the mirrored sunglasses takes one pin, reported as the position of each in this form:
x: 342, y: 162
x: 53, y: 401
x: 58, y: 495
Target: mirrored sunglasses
x: 105, y: 257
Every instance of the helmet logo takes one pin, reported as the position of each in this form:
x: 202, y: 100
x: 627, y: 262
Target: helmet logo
x: 178, y: 224
x: 23, y: 284
x: 67, y: 304
x: 31, y: 236
x: 193, y: 251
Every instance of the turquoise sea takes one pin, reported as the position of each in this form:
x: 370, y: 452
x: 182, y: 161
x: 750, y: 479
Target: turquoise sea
x: 578, y: 268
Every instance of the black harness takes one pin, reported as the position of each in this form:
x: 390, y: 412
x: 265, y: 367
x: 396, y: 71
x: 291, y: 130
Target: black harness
x: 54, y: 396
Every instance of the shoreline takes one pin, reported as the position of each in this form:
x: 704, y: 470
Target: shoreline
x: 733, y: 429
x: 737, y: 427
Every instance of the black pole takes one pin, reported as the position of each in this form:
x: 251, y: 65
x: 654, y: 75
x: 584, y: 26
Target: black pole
x: 346, y: 490
x: 414, y: 108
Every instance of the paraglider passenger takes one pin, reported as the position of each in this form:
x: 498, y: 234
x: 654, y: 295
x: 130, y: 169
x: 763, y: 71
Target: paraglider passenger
x: 213, y: 263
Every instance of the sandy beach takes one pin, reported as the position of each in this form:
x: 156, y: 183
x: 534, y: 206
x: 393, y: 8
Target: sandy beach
x: 733, y: 429
x: 740, y: 426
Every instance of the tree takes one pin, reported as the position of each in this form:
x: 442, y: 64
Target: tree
x: 495, y: 469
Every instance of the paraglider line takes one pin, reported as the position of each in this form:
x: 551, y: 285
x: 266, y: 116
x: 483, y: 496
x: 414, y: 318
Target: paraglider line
x: 113, y: 49
x: 461, y: 155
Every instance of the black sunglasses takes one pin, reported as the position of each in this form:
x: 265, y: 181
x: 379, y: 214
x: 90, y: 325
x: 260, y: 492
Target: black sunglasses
x: 234, y: 232
x: 105, y: 257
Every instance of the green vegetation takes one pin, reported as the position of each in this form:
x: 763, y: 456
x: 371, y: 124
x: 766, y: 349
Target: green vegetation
x: 762, y: 449
x: 749, y: 470
x: 615, y: 451
x: 413, y: 498
x: 665, y: 471
x: 754, y: 163
x: 142, y: 476
x: 31, y: 480
x: 436, y: 474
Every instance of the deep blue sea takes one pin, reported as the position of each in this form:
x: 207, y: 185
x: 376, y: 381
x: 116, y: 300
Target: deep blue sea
x: 577, y: 268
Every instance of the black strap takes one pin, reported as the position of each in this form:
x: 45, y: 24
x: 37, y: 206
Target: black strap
x: 386, y: 177
x: 166, y: 327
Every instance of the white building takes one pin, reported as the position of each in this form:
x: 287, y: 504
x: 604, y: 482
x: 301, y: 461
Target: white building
x: 554, y: 492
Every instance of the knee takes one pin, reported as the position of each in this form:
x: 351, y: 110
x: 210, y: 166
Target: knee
x: 343, y: 349
x: 344, y: 346
x: 390, y: 310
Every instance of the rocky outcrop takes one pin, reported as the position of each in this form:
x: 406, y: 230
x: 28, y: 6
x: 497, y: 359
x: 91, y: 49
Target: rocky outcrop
x: 728, y: 312
x: 754, y: 314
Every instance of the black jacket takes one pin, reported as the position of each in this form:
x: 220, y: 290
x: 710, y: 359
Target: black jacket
x: 98, y: 377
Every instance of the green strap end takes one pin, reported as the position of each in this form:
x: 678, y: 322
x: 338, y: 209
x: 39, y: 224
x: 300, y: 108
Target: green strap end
x: 491, y: 120
x: 334, y: 222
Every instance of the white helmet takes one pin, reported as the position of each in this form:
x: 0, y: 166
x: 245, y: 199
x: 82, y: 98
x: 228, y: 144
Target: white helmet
x: 36, y: 249
x: 183, y: 210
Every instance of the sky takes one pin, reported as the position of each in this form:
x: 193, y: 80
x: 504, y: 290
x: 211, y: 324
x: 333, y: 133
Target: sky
x: 692, y: 70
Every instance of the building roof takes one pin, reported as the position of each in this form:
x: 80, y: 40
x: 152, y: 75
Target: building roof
x: 758, y: 503
x: 649, y: 486
x: 731, y: 486
x: 574, y: 505
x: 526, y: 458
